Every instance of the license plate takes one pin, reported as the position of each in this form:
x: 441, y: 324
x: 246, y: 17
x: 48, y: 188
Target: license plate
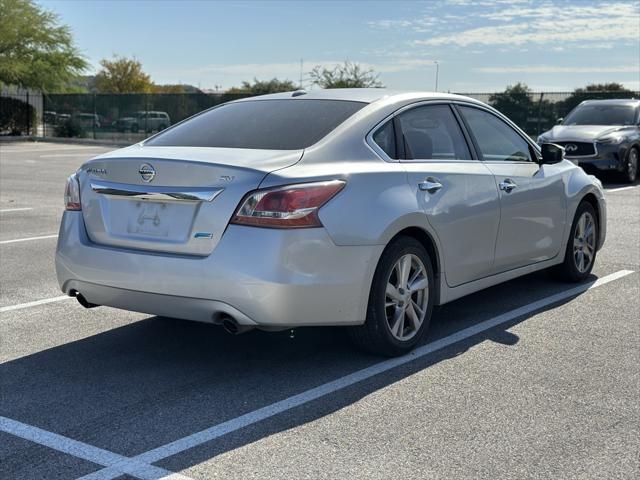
x: 149, y: 218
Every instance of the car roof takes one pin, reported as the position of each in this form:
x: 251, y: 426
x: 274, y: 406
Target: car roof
x: 366, y: 95
x: 615, y: 101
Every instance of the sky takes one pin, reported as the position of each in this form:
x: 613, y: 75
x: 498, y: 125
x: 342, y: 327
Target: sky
x: 479, y: 45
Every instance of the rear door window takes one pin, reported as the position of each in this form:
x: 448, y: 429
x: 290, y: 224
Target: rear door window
x: 432, y: 132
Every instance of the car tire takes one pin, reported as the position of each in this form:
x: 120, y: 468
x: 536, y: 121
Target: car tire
x: 582, y: 246
x: 403, y: 286
x: 161, y: 127
x: 134, y: 128
x: 631, y: 165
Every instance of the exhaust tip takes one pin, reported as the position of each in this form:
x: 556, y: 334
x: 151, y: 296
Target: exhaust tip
x: 81, y: 300
x: 232, y: 327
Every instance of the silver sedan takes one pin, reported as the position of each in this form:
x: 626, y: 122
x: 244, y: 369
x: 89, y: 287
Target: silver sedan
x: 358, y: 207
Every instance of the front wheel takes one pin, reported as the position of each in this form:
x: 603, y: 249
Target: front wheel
x: 582, y: 245
x: 631, y: 166
x: 400, y: 301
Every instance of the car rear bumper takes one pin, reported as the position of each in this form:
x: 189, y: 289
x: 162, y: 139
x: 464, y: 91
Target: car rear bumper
x: 261, y: 277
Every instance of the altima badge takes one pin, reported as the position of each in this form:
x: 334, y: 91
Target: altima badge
x: 147, y: 172
x: 97, y: 171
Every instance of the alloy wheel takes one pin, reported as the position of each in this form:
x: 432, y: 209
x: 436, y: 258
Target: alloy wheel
x: 632, y: 165
x: 584, y: 242
x: 406, y: 297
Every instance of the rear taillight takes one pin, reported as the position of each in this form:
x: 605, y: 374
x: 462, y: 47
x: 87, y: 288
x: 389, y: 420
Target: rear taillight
x: 291, y: 206
x: 72, y: 194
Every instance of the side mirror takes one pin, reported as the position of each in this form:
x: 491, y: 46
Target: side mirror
x: 559, y: 120
x: 551, y: 153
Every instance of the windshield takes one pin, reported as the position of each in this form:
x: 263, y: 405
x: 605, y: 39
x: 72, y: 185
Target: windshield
x: 260, y: 124
x: 601, y: 115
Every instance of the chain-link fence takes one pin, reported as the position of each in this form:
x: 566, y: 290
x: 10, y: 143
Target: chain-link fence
x: 128, y: 117
x: 133, y: 117
x: 20, y: 112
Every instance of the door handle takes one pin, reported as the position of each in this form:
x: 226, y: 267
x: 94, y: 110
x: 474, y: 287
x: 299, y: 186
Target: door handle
x: 508, y: 185
x: 431, y: 185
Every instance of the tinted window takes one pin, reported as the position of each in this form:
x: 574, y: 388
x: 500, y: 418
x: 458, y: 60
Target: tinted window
x: 262, y: 124
x: 496, y: 139
x: 601, y: 115
x: 385, y: 137
x: 432, y: 132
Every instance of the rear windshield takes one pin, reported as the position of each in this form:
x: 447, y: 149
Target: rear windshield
x: 601, y: 115
x: 260, y: 124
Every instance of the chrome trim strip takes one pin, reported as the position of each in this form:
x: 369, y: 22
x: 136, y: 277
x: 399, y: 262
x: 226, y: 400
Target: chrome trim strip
x: 188, y: 194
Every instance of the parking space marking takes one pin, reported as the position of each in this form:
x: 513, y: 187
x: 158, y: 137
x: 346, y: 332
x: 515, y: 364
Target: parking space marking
x: 315, y: 393
x: 87, y: 452
x: 44, y: 148
x: 620, y: 189
x: 28, y: 239
x: 44, y: 301
x: 65, y: 155
x: 7, y: 210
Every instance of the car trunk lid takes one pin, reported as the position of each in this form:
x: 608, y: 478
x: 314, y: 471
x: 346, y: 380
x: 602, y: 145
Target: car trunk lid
x: 170, y: 199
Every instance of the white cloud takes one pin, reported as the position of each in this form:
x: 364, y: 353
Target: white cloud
x: 513, y: 23
x: 551, y: 31
x: 558, y: 69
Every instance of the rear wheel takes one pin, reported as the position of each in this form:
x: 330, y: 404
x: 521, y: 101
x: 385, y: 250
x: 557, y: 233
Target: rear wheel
x: 400, y: 301
x: 581, y: 247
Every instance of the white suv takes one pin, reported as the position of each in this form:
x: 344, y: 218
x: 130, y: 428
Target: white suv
x: 145, y: 121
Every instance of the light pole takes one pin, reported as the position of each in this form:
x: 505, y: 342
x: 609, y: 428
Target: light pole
x: 437, y: 71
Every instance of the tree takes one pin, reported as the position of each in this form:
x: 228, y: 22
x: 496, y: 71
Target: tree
x: 594, y: 91
x: 262, y: 87
x: 347, y: 75
x: 515, y: 102
x: 35, y: 50
x: 122, y: 75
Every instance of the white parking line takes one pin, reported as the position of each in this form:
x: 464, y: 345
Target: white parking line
x: 44, y: 148
x: 307, y: 396
x: 6, y: 210
x: 65, y: 155
x: 620, y: 189
x: 35, y: 303
x: 87, y: 452
x: 28, y: 239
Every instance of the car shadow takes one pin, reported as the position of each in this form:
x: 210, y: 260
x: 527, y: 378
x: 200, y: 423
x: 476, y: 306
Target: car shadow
x: 140, y: 386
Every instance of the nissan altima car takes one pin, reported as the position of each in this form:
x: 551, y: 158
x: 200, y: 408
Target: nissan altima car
x: 362, y: 208
x: 601, y: 136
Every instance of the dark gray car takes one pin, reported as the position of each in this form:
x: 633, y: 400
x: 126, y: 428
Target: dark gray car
x: 600, y: 136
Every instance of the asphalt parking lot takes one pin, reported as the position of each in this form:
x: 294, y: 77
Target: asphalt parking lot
x: 529, y: 379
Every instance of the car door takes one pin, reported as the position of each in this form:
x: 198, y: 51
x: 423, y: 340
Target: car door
x: 532, y: 197
x: 457, y: 193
